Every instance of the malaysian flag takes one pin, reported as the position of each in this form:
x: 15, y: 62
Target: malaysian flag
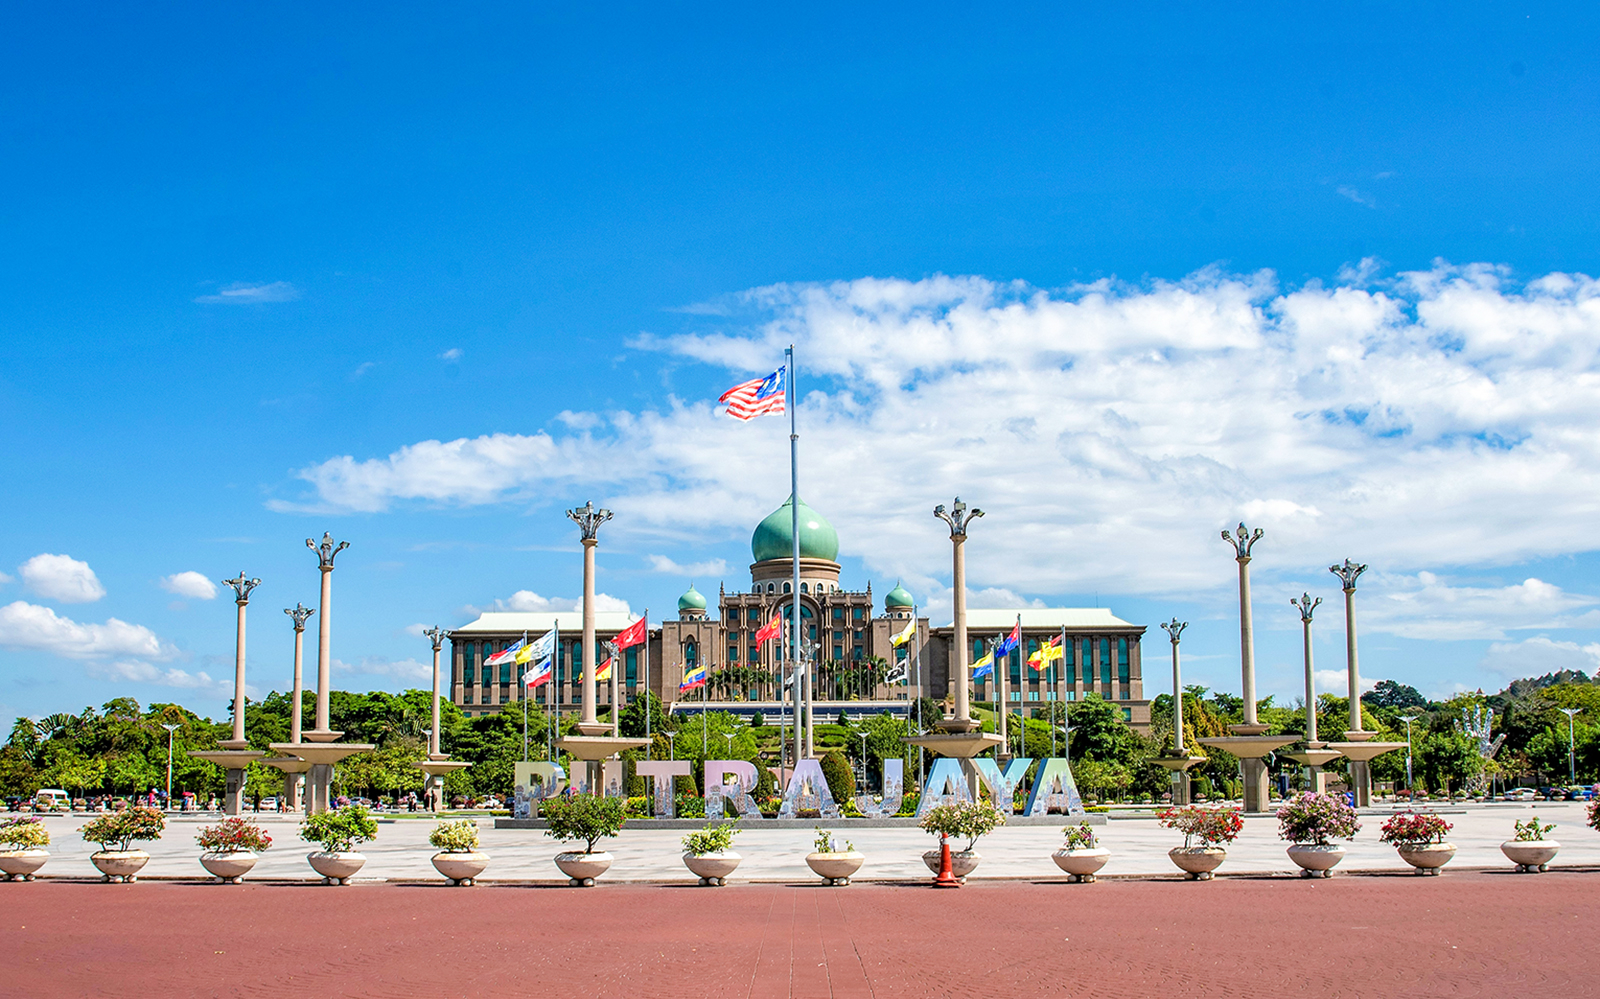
x: 756, y: 397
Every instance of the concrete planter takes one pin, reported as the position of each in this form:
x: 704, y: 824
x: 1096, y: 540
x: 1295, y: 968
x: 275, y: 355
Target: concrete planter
x: 462, y: 867
x: 336, y: 868
x: 712, y: 868
x: 835, y: 868
x: 120, y: 865
x: 1316, y: 861
x: 1530, y: 856
x: 1081, y: 865
x: 582, y: 868
x: 20, y: 865
x: 1198, y: 861
x: 1427, y: 859
x: 229, y: 866
x: 962, y: 862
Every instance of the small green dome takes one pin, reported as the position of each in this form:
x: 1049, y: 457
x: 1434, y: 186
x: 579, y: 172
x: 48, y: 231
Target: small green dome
x: 898, y: 598
x: 773, y: 538
x: 691, y: 600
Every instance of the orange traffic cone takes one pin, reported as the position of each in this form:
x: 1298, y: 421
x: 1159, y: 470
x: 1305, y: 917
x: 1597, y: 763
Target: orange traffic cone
x: 947, y: 877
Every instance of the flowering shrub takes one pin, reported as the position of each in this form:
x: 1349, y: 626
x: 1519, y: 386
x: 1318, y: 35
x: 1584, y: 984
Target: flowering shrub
x: 233, y: 834
x: 1211, y: 825
x: 1594, y: 814
x: 585, y: 817
x: 455, y: 837
x: 825, y: 843
x: 714, y: 838
x: 340, y: 830
x: 1080, y: 837
x: 1532, y: 831
x: 118, y: 830
x: 1316, y: 818
x: 24, y: 834
x: 1412, y: 828
x: 972, y: 820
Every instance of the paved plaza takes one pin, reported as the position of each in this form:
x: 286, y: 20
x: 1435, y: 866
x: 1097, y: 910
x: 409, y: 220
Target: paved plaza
x: 1138, y: 847
x: 1464, y: 934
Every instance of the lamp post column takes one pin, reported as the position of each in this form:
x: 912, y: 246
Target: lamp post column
x: 1306, y: 605
x: 1180, y: 774
x: 170, y: 729
x: 325, y: 553
x: 1360, y: 770
x: 1242, y: 541
x: 435, y: 788
x: 1572, y: 744
x: 293, y: 782
x: 589, y: 520
x: 241, y: 589
x: 957, y: 519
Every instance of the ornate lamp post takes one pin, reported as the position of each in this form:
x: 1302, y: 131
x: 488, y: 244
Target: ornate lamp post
x: 592, y: 743
x: 1249, y: 741
x: 1315, y: 756
x: 234, y: 754
x: 325, y: 553
x: 1357, y: 745
x: 438, y: 764
x: 1572, y: 756
x: 1408, y: 719
x: 170, y: 729
x: 294, y: 768
x: 1180, y: 762
x: 958, y: 736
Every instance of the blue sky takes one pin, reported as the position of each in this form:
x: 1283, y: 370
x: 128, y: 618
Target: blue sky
x: 242, y: 244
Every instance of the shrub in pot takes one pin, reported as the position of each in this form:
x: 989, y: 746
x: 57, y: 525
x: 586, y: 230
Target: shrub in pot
x: 458, y: 858
x: 338, y: 832
x: 970, y: 821
x: 231, y: 847
x: 1212, y: 827
x: 22, y: 847
x: 1081, y: 856
x: 589, y: 818
x: 116, y: 832
x: 835, y: 866
x: 1311, y: 821
x: 707, y: 853
x: 1419, y: 839
x: 1528, y: 848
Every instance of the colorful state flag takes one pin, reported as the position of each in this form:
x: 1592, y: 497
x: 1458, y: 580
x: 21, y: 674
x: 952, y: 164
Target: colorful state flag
x: 983, y: 667
x: 633, y: 634
x: 772, y: 629
x: 1009, y: 643
x: 694, y: 676
x: 604, y: 672
x: 1048, y: 653
x: 756, y: 397
x: 506, y: 654
x: 544, y: 648
x: 539, y: 674
x: 906, y: 635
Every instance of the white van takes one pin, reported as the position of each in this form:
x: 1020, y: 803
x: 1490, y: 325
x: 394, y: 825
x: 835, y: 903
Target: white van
x: 49, y: 799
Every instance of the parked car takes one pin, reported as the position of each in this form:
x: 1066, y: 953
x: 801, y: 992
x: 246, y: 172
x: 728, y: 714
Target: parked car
x: 50, y: 799
x: 1521, y: 794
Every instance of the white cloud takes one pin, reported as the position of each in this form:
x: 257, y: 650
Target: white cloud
x: 1346, y: 191
x: 189, y: 584
x: 1337, y: 681
x: 453, y: 354
x: 29, y: 626
x: 710, y: 569
x: 4, y: 578
x: 405, y: 670
x: 1540, y: 655
x: 138, y: 671
x: 63, y: 578
x: 528, y: 601
x: 1110, y: 431
x: 240, y: 293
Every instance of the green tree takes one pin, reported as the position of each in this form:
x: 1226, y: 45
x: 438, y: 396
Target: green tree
x: 1448, y: 757
x: 841, y: 780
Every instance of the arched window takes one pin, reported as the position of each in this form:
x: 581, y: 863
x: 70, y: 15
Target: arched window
x: 786, y: 587
x: 691, y: 653
x: 805, y: 587
x: 771, y: 588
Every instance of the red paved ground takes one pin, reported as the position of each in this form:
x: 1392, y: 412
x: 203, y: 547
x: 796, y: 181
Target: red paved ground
x: 1462, y: 934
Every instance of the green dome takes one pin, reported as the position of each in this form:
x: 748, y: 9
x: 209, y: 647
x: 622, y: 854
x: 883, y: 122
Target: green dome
x: 691, y: 600
x: 774, y: 540
x: 898, y: 598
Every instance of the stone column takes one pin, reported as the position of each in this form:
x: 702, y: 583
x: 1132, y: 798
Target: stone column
x: 1180, y: 775
x: 434, y: 791
x: 293, y: 782
x: 241, y: 588
x: 1242, y: 542
x: 325, y: 555
x: 1360, y: 770
x: 589, y: 520
x: 957, y: 519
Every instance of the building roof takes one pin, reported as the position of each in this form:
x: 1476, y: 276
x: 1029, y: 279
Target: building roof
x: 898, y: 597
x: 692, y: 599
x: 773, y: 538
x: 539, y: 622
x: 999, y: 618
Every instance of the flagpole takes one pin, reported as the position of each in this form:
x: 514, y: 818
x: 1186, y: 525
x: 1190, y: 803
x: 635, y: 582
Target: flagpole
x: 802, y: 702
x: 1060, y: 682
x: 648, y: 742
x: 555, y: 687
x: 916, y: 662
x: 522, y: 695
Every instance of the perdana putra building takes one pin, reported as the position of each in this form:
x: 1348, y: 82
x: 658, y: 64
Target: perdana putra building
x: 859, y: 667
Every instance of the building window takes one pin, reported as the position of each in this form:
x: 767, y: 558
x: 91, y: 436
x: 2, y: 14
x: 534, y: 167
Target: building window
x: 860, y: 613
x: 466, y: 664
x: 632, y: 660
x: 755, y: 615
x: 805, y: 587
x: 1122, y: 660
x: 1127, y: 714
x: 733, y: 656
x: 691, y: 653
x: 770, y: 588
x: 1105, y: 664
x: 786, y: 587
x: 838, y: 613
x: 1069, y: 661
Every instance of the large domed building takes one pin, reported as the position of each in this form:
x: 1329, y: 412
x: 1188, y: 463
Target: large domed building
x: 858, y: 667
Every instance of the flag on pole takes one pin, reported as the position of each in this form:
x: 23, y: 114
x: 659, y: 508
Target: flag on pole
x: 633, y: 634
x: 539, y: 674
x: 543, y: 648
x: 983, y: 667
x: 756, y: 397
x: 906, y: 635
x: 1048, y: 653
x: 1009, y: 643
x: 506, y: 654
x: 604, y: 672
x: 895, y: 674
x: 694, y: 676
x: 772, y: 629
